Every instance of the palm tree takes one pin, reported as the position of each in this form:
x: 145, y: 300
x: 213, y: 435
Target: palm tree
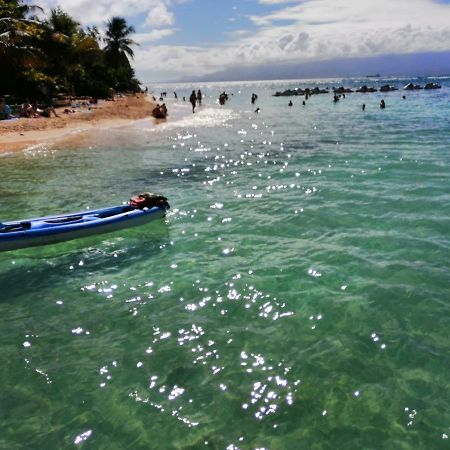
x: 118, y: 42
x: 62, y: 25
x: 16, y: 27
x: 19, y: 39
x: 68, y: 47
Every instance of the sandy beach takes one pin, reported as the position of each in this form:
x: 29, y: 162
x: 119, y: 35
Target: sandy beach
x: 18, y: 134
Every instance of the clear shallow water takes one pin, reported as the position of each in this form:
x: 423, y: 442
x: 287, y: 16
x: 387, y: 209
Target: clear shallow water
x: 297, y: 296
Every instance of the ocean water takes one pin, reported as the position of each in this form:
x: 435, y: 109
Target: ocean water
x: 295, y: 297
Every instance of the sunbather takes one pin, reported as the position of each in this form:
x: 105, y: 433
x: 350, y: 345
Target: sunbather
x: 26, y: 109
x: 47, y: 111
x: 5, y: 110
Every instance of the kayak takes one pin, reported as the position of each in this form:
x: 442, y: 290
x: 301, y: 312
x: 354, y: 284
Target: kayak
x: 52, y: 229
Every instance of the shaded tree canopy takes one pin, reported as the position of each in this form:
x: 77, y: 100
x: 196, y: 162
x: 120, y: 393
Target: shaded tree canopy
x: 42, y: 58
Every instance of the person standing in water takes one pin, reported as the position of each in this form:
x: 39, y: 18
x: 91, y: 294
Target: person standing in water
x: 193, y: 100
x: 199, y: 97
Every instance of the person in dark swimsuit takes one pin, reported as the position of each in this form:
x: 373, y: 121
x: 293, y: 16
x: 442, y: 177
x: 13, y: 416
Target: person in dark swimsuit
x: 193, y: 100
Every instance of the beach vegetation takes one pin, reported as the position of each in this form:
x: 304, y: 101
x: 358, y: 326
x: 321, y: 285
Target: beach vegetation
x: 49, y: 55
x: 118, y: 42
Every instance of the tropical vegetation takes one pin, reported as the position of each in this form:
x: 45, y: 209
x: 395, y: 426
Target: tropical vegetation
x: 49, y: 55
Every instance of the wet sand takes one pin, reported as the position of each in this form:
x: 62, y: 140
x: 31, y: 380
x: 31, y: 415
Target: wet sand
x: 16, y: 135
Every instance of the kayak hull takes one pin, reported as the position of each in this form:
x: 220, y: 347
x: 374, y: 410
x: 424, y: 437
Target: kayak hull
x: 53, y: 229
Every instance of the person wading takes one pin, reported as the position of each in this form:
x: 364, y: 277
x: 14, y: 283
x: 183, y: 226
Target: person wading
x: 193, y: 100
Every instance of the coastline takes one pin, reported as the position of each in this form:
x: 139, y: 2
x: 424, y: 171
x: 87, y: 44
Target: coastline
x: 17, y: 135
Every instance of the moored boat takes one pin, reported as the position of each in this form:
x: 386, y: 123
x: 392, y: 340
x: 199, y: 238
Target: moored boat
x: 432, y: 86
x: 342, y: 90
x: 289, y: 92
x: 412, y: 87
x: 365, y: 89
x: 52, y: 229
x: 388, y: 88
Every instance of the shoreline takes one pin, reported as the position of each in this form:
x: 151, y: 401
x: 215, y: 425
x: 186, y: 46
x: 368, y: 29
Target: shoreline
x: 17, y: 135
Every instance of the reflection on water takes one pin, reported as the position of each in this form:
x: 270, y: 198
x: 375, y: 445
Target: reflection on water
x: 295, y: 296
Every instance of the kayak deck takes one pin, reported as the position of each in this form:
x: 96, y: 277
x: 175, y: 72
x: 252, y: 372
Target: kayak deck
x: 59, y: 228
x: 72, y: 218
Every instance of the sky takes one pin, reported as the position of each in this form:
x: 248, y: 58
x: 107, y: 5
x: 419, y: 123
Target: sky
x: 193, y: 38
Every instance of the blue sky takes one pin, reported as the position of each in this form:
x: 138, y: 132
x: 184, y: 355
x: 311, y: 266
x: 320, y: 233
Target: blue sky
x: 205, y: 22
x: 182, y: 38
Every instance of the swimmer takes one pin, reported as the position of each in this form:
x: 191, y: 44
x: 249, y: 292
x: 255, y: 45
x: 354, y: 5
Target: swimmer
x: 382, y: 104
x: 364, y: 107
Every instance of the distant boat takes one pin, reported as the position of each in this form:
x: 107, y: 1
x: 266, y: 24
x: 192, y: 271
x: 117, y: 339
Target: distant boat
x: 377, y: 75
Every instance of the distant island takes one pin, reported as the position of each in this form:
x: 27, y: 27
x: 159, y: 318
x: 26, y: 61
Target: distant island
x: 398, y: 65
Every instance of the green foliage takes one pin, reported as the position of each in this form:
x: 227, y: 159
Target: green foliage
x: 41, y: 58
x: 117, y: 41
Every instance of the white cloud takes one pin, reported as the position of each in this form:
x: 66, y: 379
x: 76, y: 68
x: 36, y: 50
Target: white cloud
x: 326, y: 28
x: 276, y: 2
x: 157, y: 12
x: 294, y: 31
x: 152, y: 36
x: 159, y: 15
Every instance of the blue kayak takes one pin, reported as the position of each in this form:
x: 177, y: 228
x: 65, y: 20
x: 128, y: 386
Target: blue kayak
x: 52, y: 229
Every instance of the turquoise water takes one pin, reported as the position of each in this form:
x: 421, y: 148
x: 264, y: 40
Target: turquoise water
x: 295, y: 297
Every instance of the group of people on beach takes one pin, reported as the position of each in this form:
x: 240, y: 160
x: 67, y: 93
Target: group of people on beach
x: 196, y: 100
x: 32, y: 110
x: 26, y: 109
